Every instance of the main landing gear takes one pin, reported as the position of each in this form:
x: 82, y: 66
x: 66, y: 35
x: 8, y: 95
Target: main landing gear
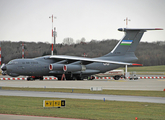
x: 75, y: 77
x: 31, y: 78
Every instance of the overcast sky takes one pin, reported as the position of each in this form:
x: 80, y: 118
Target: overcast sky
x: 28, y: 20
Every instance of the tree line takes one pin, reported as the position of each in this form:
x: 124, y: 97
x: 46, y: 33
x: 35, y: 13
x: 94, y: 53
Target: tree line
x: 148, y: 54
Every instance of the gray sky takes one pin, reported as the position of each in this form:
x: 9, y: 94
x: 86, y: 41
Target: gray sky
x: 28, y: 20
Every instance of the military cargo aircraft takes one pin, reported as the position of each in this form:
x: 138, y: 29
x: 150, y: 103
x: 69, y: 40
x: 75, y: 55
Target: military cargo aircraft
x: 72, y: 67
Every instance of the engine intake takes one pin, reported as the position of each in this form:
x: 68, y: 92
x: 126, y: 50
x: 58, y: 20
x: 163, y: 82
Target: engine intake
x: 56, y: 67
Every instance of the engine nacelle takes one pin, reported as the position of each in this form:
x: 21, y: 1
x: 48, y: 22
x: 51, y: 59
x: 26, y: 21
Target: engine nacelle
x: 73, y: 68
x: 55, y: 66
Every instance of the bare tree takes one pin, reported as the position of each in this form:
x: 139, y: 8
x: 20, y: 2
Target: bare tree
x: 68, y: 41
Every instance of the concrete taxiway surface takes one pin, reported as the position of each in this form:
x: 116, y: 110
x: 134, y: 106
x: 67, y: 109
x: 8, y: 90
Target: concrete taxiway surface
x: 140, y: 84
x: 83, y: 96
x: 24, y: 117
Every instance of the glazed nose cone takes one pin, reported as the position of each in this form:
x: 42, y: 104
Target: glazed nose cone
x: 3, y: 67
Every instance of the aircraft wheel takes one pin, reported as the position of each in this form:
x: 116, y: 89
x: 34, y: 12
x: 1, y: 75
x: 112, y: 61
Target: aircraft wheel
x: 41, y: 78
x: 31, y: 79
x: 28, y: 78
x: 59, y: 78
x: 116, y: 77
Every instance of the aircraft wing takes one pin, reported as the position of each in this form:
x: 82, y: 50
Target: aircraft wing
x: 89, y: 60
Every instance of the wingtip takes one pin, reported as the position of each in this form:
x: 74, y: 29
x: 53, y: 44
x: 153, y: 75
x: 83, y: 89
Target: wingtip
x: 158, y: 28
x: 135, y: 64
x: 125, y: 29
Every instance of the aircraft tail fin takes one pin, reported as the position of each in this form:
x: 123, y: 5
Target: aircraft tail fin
x: 130, y: 41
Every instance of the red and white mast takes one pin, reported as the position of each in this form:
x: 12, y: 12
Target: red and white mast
x: 23, y: 53
x: 52, y: 35
x: 55, y: 35
x: 126, y: 74
x: 127, y: 21
x: 85, y: 55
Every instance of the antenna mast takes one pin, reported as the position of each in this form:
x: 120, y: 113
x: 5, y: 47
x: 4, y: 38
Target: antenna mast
x: 127, y: 21
x: 52, y: 34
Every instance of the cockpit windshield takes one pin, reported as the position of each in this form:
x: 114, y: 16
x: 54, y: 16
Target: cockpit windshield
x: 12, y: 62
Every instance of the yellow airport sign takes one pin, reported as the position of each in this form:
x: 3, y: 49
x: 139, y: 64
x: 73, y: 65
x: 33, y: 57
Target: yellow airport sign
x: 63, y: 103
x: 57, y: 103
x: 53, y: 103
x: 48, y: 103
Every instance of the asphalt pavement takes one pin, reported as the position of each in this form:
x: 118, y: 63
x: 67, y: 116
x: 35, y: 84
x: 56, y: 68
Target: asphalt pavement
x: 83, y: 96
x: 26, y: 117
x: 140, y: 84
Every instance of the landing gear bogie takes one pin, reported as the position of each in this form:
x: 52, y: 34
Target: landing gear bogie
x: 31, y: 78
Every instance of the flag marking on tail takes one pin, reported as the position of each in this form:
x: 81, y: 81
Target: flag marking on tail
x: 126, y: 42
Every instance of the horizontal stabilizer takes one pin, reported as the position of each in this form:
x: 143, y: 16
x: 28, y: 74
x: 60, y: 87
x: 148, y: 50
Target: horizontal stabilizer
x: 130, y: 41
x: 137, y: 29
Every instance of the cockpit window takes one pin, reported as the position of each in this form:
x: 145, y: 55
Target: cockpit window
x: 13, y: 62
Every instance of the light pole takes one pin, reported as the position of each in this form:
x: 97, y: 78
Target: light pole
x: 23, y: 51
x: 55, y: 35
x: 52, y: 33
x: 85, y: 55
x: 127, y: 21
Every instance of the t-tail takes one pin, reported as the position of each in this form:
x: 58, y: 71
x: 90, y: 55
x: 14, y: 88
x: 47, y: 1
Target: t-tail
x: 130, y: 41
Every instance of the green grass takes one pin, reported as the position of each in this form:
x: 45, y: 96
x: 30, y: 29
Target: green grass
x: 146, y: 69
x: 107, y: 92
x: 83, y: 109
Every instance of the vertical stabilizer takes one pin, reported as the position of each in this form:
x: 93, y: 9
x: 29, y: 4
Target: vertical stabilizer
x: 129, y: 42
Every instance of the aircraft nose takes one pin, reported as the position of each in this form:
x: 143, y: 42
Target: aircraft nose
x: 3, y: 67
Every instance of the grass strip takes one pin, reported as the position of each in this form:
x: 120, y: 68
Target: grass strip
x: 106, y: 92
x: 83, y: 109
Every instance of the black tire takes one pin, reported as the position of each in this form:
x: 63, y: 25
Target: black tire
x: 116, y: 77
x: 41, y: 78
x: 31, y: 78
x: 28, y: 78
x: 59, y: 78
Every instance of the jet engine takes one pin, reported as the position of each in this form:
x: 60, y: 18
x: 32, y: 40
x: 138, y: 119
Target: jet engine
x: 66, y: 68
x: 73, y: 68
x: 58, y: 67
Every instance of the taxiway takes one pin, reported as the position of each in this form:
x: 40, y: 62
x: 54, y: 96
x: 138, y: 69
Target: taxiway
x: 140, y: 84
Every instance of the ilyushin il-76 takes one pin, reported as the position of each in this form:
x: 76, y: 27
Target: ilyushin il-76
x: 72, y: 67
